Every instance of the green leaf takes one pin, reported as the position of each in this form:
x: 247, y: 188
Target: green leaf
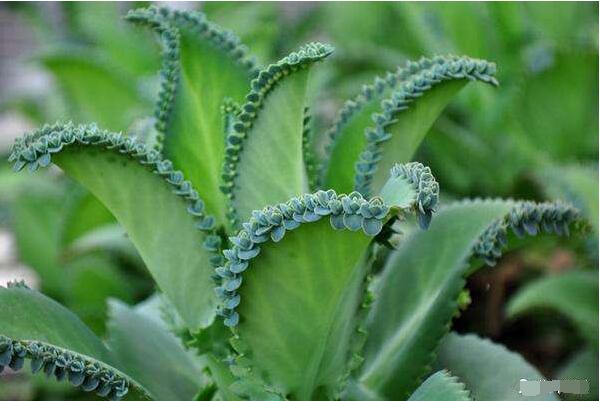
x: 566, y: 129
x: 573, y: 294
x: 441, y: 386
x: 95, y: 90
x: 37, y: 328
x: 91, y: 279
x: 155, y: 205
x: 152, y: 354
x: 490, y: 371
x: 103, y: 24
x: 294, y: 280
x: 202, y: 65
x: 111, y: 238
x: 36, y: 224
x: 584, y: 366
x: 254, y: 22
x: 416, y: 294
x: 412, y: 184
x: 264, y: 156
x: 408, y: 114
x: 222, y: 376
x: 298, y: 307
x: 347, y: 133
x: 84, y: 214
x: 577, y: 184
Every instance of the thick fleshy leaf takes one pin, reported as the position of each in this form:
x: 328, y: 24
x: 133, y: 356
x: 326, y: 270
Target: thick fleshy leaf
x: 573, y: 294
x: 490, y: 371
x: 347, y: 133
x: 299, y: 302
x: 412, y: 184
x: 202, y: 65
x: 264, y: 157
x: 408, y: 114
x: 95, y: 91
x: 154, y: 204
x: 416, y: 295
x: 293, y: 295
x: 154, y: 355
x: 37, y: 328
x: 441, y: 386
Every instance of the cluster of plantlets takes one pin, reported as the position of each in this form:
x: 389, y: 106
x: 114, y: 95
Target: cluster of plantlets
x: 307, y: 288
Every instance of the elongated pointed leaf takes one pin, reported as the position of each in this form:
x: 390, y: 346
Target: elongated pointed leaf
x: 347, y: 133
x: 95, y: 90
x: 156, y: 356
x: 264, y: 157
x: 441, y: 386
x: 155, y: 205
x: 39, y: 329
x: 202, y: 65
x: 294, y: 281
x: 407, y: 115
x: 573, y: 294
x: 417, y: 293
x: 490, y: 371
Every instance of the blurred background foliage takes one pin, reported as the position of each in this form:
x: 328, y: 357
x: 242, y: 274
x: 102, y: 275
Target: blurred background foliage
x: 536, y: 137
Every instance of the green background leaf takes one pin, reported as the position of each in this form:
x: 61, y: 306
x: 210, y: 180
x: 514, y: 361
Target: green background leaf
x: 490, y: 371
x: 573, y: 294
x: 155, y: 356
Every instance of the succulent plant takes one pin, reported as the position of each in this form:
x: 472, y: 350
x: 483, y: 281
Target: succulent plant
x: 274, y: 263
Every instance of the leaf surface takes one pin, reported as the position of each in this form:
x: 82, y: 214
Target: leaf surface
x: 441, y: 386
x: 32, y: 319
x: 265, y: 163
x: 95, y: 91
x: 408, y: 114
x: 293, y: 283
x: 153, y: 354
x: 573, y: 294
x: 416, y: 294
x: 84, y: 213
x: 347, y: 133
x: 36, y: 224
x: 490, y: 371
x: 155, y: 205
x: 202, y: 65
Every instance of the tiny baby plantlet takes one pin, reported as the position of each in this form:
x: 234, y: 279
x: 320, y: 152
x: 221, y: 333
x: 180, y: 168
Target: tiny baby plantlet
x: 274, y: 265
